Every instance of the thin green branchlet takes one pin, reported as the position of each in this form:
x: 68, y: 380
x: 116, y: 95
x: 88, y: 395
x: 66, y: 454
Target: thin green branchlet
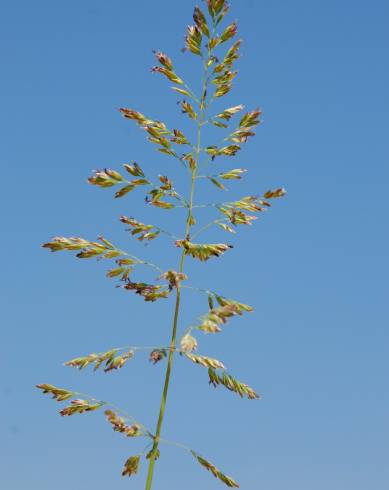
x: 205, y: 39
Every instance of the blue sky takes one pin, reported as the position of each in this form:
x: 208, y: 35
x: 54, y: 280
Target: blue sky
x: 315, y: 267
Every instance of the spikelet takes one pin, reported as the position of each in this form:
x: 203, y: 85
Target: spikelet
x: 216, y: 183
x: 237, y: 217
x: 225, y: 78
x: 228, y: 113
x: 153, y: 453
x: 119, y: 425
x: 250, y: 119
x: 215, y: 471
x: 181, y: 91
x: 179, y: 138
x: 217, y: 9
x: 149, y: 292
x: 226, y: 227
x: 244, y: 130
x: 188, y: 157
x: 131, y: 466
x: 231, y: 56
x: 275, y: 194
x: 231, y: 384
x: 82, y: 362
x: 188, y: 343
x: 59, y: 394
x: 207, y: 362
x: 157, y: 130
x: 228, y: 151
x: 217, y: 316
x: 219, y: 124
x: 187, y: 108
x: 134, y: 169
x: 241, y: 307
x: 193, y: 40
x: 106, y: 178
x: 161, y: 204
x: 136, y: 116
x: 118, y: 361
x: 169, y: 74
x: 235, y: 173
x: 137, y: 228
x: 123, y: 270
x: 157, y: 355
x: 155, y: 196
x: 201, y: 21
x: 79, y: 406
x: 223, y: 89
x: 174, y: 278
x: 164, y: 60
x: 204, y: 251
x: 229, y: 32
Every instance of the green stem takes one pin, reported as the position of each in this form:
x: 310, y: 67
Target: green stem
x: 189, y: 223
x: 208, y: 225
x: 165, y: 391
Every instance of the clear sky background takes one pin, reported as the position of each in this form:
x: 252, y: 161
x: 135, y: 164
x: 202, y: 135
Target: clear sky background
x: 315, y: 267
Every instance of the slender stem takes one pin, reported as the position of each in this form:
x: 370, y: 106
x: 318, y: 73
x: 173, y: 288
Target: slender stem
x: 192, y: 94
x: 140, y: 261
x: 208, y: 225
x: 177, y: 444
x: 165, y: 232
x: 201, y: 290
x: 189, y: 224
x: 164, y: 394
